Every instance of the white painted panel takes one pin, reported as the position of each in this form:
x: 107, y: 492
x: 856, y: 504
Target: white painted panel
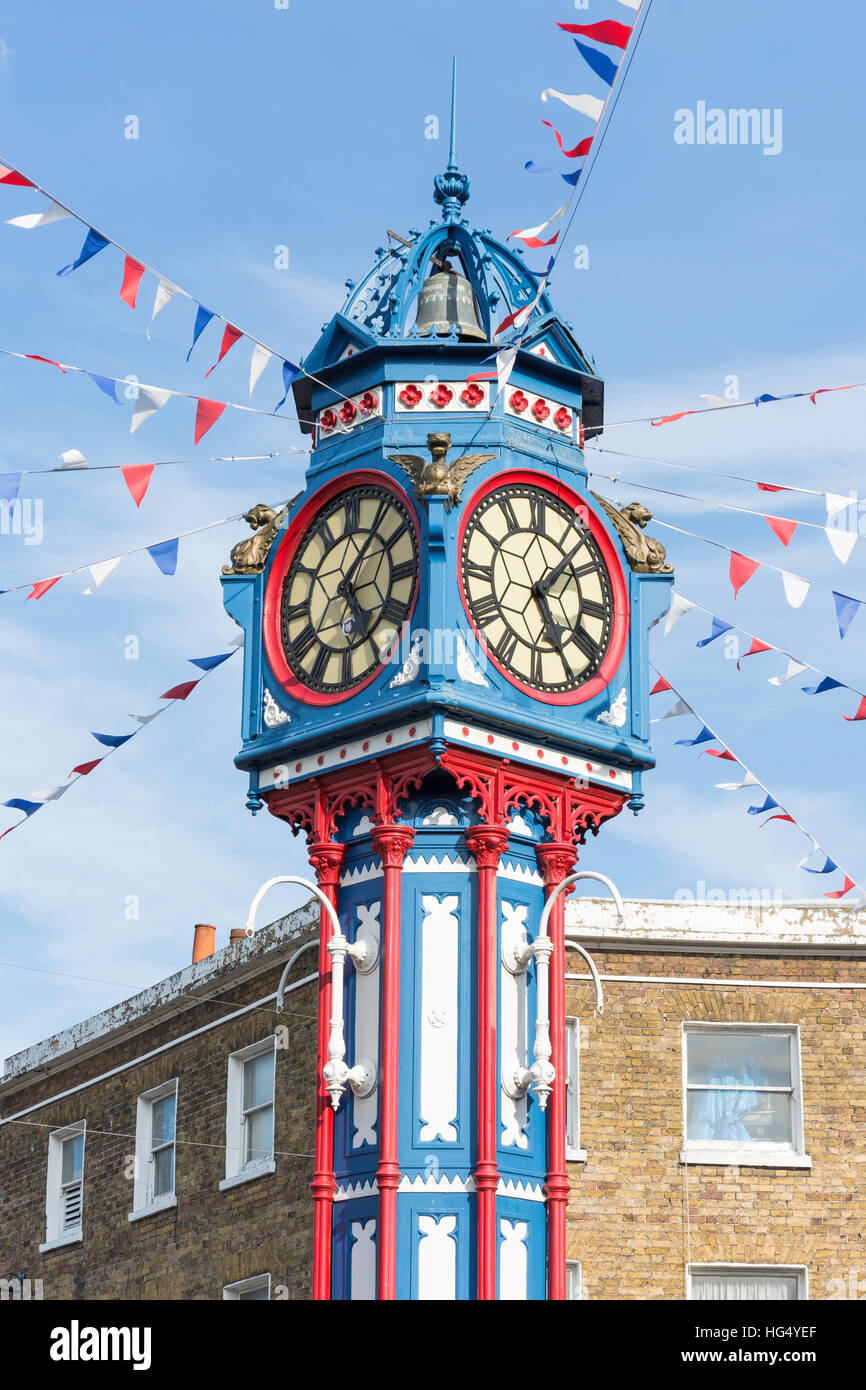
x: 439, y: 1017
x: 514, y: 1036
x: 513, y: 1261
x: 365, y: 1110
x: 362, y: 1268
x: 437, y: 1258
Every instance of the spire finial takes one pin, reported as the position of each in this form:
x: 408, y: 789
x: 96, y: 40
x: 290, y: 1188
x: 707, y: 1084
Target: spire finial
x: 451, y: 189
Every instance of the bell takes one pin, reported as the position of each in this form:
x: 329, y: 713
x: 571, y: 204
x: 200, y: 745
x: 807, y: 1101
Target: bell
x: 447, y: 298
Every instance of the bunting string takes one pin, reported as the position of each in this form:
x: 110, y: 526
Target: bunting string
x: 137, y: 476
x: 163, y: 553
x: 112, y: 742
x: 707, y: 734
x: 680, y: 605
x: 134, y: 270
x: 720, y: 404
x: 835, y: 501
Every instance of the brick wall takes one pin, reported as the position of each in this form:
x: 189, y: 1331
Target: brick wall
x: 635, y: 1213
x: 210, y: 1238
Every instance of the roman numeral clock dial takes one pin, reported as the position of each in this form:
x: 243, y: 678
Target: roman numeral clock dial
x: 541, y: 593
x: 348, y: 589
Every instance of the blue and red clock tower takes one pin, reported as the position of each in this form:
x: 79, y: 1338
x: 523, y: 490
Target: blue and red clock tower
x: 445, y: 690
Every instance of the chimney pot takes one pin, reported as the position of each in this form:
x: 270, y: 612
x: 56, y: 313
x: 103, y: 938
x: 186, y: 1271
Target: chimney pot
x: 204, y: 941
x: 238, y: 934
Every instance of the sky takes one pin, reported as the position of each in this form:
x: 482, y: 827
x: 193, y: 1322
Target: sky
x: 710, y: 268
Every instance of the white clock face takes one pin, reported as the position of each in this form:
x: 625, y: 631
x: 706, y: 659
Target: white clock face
x: 537, y: 589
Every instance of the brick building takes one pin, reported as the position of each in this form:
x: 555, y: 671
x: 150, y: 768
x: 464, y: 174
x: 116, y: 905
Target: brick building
x: 716, y: 1118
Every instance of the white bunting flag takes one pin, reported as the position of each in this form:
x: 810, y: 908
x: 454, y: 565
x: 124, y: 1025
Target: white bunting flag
x: 632, y: 4
x: 260, y: 358
x: 586, y: 105
x: 813, y: 850
x: 504, y: 366
x: 100, y: 572
x: 750, y: 780
x: 836, y: 503
x: 53, y: 213
x: 150, y: 400
x: 841, y: 542
x: 52, y: 793
x: 237, y: 641
x: 678, y: 607
x: 71, y: 458
x: 795, y: 668
x: 675, y: 711
x: 165, y: 293
x: 533, y: 232
x: 718, y: 402
x: 145, y: 718
x: 796, y: 589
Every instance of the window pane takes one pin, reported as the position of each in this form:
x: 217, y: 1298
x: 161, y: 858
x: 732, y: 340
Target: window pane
x: 259, y: 1080
x: 740, y: 1117
x: 745, y: 1286
x: 73, y: 1152
x: 260, y: 1292
x: 732, y: 1059
x: 162, y: 1121
x: 259, y: 1135
x: 163, y: 1172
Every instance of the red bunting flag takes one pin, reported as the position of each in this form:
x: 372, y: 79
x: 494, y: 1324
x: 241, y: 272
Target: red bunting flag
x: 660, y: 685
x: 13, y: 178
x: 840, y: 892
x: 771, y: 487
x: 861, y: 712
x: 667, y: 419
x: 207, y: 413
x: 756, y: 647
x: 132, y: 273
x: 580, y: 149
x: 42, y: 587
x: 608, y: 31
x: 83, y: 768
x: 34, y: 357
x: 780, y: 817
x: 180, y: 692
x: 781, y: 527
x: 741, y: 571
x: 722, y: 753
x: 822, y: 391
x: 230, y: 337
x: 137, y: 477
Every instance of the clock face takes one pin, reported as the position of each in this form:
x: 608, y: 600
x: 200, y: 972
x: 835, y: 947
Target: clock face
x: 348, y: 590
x: 538, y: 588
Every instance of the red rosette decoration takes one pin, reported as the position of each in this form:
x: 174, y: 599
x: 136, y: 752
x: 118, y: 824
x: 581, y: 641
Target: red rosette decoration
x: 369, y: 402
x: 562, y: 418
x: 327, y: 420
x: 410, y: 395
x: 348, y: 411
x: 540, y: 409
x: 441, y: 395
x: 473, y: 395
x: 518, y: 401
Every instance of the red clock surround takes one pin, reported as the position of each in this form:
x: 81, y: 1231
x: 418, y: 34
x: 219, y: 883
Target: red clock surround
x: 280, y: 568
x: 620, y: 624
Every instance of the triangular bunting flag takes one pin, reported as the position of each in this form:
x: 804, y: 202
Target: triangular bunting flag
x: 840, y: 892
x: 586, y: 105
x: 846, y: 611
x: 53, y: 213
x: 72, y: 458
x: 9, y: 485
x: 741, y: 570
x: 705, y: 736
x: 230, y: 337
x: 207, y: 663
x: 112, y: 740
x: 101, y: 571
x: 106, y: 384
x: 42, y: 587
x: 841, y: 542
x: 861, y: 712
x: 290, y: 374
x: 132, y: 273
x: 719, y: 627
x: 827, y: 683
x: 750, y: 780
x: 660, y: 685
x: 781, y: 527
x: 13, y: 179
x: 83, y: 768
x: 795, y: 668
x: 52, y: 793
x: 164, y: 555
x: 675, y: 711
x: 836, y: 503
x: 137, y: 477
x: 829, y: 867
x: 180, y: 692
x: 601, y: 65
x: 756, y: 647
x: 580, y: 149
x: 768, y: 805
x: 93, y: 242
x: 679, y: 606
x: 202, y: 319
x: 795, y: 588
x: 721, y: 753
x: 779, y: 817
x: 150, y: 400
x: 165, y: 292
x: 259, y: 360
x: 145, y: 718
x: 19, y: 804
x: 206, y: 414
x: 608, y: 31
x: 771, y: 487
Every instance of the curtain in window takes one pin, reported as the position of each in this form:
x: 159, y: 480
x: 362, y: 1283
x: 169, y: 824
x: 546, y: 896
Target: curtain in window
x: 745, y: 1287
x: 719, y: 1114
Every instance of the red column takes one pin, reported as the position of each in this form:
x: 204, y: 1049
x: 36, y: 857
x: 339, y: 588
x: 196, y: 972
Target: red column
x: 556, y: 861
x: 391, y: 842
x: 327, y: 859
x: 486, y: 843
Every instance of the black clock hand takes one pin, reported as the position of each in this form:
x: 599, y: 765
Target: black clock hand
x: 346, y: 591
x: 546, y: 584
x: 539, y: 594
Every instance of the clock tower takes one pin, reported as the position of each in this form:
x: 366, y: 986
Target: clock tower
x: 445, y: 691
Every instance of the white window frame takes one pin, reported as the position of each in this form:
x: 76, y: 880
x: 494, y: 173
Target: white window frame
x: 237, y: 1171
x: 232, y: 1292
x: 573, y: 1152
x: 731, y: 1153
x: 573, y: 1279
x: 55, y: 1235
x: 800, y: 1272
x: 144, y: 1203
